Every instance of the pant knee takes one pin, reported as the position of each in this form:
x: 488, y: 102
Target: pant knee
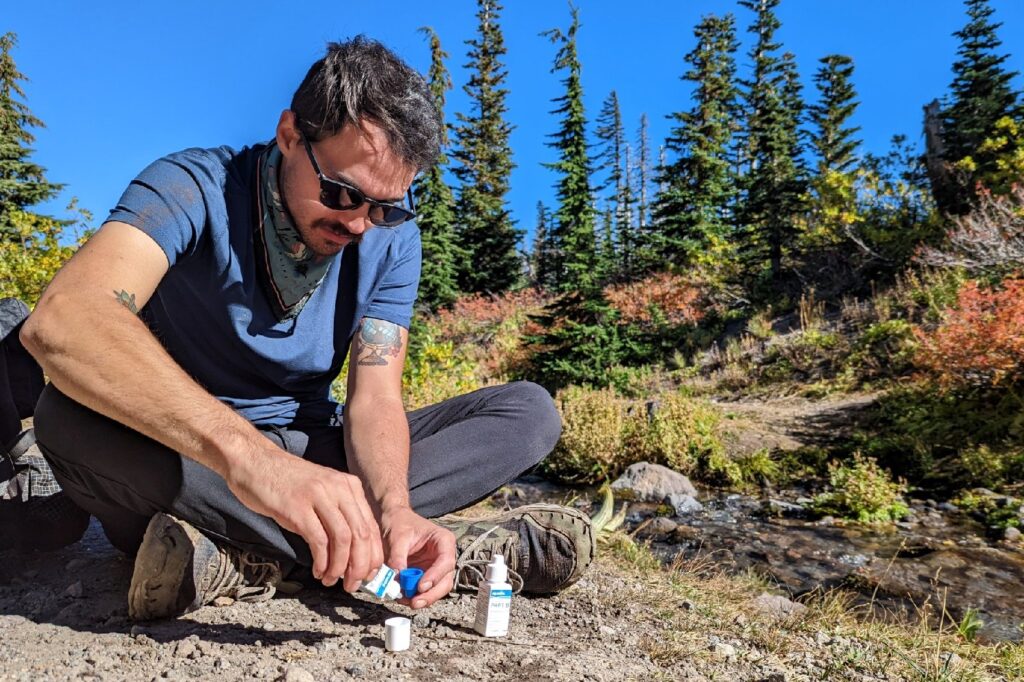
x: 542, y: 420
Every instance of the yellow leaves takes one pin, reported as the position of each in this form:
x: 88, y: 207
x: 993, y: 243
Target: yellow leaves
x: 32, y: 256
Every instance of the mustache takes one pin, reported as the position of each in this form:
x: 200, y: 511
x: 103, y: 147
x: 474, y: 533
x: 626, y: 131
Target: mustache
x: 339, y: 230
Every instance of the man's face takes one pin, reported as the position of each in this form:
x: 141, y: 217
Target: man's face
x: 357, y: 155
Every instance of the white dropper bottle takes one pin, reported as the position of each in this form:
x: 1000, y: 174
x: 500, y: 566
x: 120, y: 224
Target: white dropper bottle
x: 494, y: 600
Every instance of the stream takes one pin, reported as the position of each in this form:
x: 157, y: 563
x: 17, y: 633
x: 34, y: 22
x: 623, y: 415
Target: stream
x: 937, y: 556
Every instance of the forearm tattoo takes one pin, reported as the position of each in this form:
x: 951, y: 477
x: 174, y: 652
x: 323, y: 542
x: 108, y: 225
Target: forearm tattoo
x: 377, y: 340
x: 127, y: 300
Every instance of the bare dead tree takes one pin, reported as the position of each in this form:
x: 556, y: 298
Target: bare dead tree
x: 988, y: 239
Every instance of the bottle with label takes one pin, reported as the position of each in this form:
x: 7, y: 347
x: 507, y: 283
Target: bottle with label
x: 494, y: 600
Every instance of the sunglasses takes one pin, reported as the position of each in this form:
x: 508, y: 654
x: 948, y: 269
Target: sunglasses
x: 341, y: 196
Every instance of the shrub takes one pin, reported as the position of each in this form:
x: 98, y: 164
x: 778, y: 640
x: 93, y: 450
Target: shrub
x: 862, y: 491
x: 981, y: 340
x: 885, y: 349
x: 30, y: 260
x: 660, y: 298
x: 675, y: 430
x: 590, y: 448
x: 437, y: 373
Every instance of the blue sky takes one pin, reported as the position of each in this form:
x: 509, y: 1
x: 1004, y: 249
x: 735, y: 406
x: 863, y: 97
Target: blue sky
x: 120, y: 84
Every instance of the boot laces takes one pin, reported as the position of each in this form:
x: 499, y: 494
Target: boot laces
x: 244, y: 576
x: 470, y: 569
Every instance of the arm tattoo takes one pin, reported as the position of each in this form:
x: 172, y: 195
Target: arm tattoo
x: 127, y: 300
x: 377, y: 340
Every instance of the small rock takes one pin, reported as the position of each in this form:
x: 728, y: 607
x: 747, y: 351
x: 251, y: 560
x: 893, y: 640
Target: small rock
x: 774, y: 677
x: 355, y: 670
x: 683, y: 533
x: 684, y: 504
x: 783, y: 508
x: 222, y: 663
x: 952, y: 662
x: 687, y: 605
x: 137, y: 630
x: 223, y: 601
x: 296, y: 674
x: 74, y: 590
x: 1012, y: 534
x: 777, y: 607
x: 740, y: 619
x: 525, y: 661
x: 948, y: 507
x: 76, y: 564
x: 822, y: 639
x: 827, y: 521
x: 658, y: 527
x: 326, y: 645
x: 724, y: 650
x: 652, y: 482
x: 185, y: 649
x: 421, y: 620
x: 607, y: 631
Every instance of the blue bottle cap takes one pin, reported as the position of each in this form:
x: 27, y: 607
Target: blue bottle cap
x: 409, y: 579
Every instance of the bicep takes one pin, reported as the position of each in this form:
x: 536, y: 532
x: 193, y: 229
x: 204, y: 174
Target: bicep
x: 376, y: 360
x: 120, y: 264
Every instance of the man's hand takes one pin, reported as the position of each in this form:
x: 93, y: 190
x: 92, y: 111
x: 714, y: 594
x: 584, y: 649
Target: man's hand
x: 327, y: 508
x: 415, y: 541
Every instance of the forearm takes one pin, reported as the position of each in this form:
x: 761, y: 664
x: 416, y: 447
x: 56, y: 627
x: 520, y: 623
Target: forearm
x: 103, y: 356
x: 377, y: 450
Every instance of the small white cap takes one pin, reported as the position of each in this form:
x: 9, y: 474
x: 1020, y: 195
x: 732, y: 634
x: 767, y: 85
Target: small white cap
x: 497, y: 572
x: 396, y: 633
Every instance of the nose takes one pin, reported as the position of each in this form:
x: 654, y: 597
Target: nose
x: 356, y: 221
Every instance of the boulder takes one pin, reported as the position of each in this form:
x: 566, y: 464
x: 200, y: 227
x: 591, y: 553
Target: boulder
x: 649, y: 482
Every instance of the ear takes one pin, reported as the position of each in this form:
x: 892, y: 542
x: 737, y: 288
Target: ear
x: 287, y: 132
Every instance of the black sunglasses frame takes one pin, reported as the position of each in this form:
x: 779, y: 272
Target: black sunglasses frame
x: 330, y: 191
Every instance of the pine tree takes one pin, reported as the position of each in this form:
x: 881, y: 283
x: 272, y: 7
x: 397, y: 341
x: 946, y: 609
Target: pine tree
x: 835, y: 146
x: 581, y: 342
x: 771, y: 149
x: 574, y: 217
x: 981, y: 95
x: 435, y: 204
x: 611, y: 143
x: 484, y: 225
x: 692, y: 212
x: 541, y: 257
x: 832, y: 138
x: 22, y: 183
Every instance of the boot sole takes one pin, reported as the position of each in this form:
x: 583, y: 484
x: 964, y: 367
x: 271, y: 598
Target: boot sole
x: 163, y: 563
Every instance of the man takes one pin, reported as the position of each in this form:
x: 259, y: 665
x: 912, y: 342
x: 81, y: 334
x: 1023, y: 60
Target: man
x: 191, y: 344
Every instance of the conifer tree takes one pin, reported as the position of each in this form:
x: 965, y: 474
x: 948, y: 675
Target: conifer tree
x: 541, y: 257
x: 610, y: 156
x: 22, y: 182
x: 484, y: 225
x: 981, y: 95
x: 835, y: 147
x: 574, y: 217
x: 692, y: 212
x: 581, y: 342
x: 773, y: 183
x: 644, y: 171
x: 435, y: 204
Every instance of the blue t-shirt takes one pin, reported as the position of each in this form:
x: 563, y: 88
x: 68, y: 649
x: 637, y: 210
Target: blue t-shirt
x: 210, y: 310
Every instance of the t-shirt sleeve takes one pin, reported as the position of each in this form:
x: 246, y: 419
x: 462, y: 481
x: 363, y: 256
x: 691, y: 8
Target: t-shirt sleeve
x: 396, y: 295
x: 166, y: 202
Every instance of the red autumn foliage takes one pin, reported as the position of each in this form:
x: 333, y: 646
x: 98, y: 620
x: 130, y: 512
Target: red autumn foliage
x: 491, y: 328
x: 981, y: 339
x: 673, y: 296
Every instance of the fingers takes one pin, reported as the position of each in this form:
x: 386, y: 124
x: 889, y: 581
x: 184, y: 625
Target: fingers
x: 339, y: 550
x: 438, y: 578
x: 365, y: 535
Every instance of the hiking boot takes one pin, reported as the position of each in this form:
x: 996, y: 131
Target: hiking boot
x: 546, y: 547
x: 34, y: 512
x: 178, y: 570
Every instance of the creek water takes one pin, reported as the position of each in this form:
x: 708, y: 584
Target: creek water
x: 937, y: 559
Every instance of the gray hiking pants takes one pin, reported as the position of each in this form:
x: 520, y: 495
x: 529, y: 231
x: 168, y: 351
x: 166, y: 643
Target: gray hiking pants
x: 462, y: 450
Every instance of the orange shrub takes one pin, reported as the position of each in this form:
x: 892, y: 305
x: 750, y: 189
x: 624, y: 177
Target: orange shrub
x: 489, y: 330
x: 673, y: 296
x: 980, y: 341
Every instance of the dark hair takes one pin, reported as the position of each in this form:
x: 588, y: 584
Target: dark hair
x: 361, y: 80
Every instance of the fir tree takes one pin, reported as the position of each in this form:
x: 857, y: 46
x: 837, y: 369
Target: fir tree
x: 485, y: 229
x: 435, y: 205
x: 644, y: 172
x: 692, y: 216
x: 541, y: 258
x: 574, y: 217
x: 981, y: 95
x: 610, y: 157
x: 832, y: 138
x: 771, y: 149
x: 581, y: 342
x: 835, y: 146
x: 22, y: 183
